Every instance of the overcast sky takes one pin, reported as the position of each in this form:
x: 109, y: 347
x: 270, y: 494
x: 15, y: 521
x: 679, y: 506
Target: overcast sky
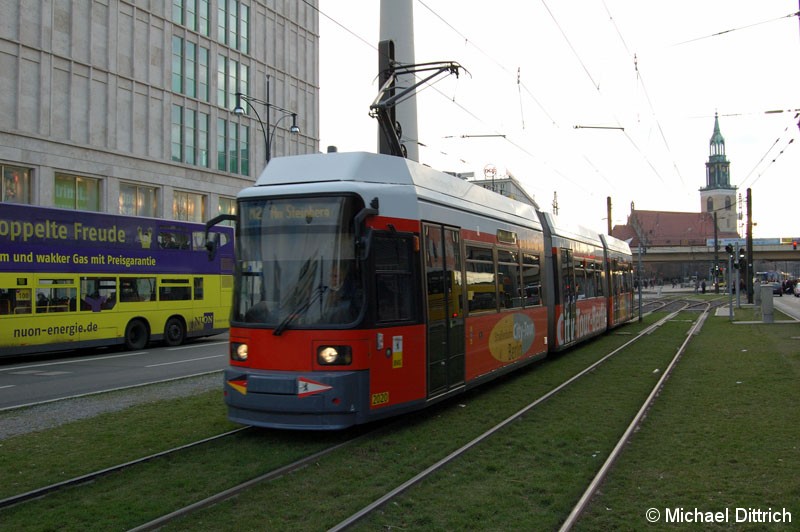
x: 660, y: 70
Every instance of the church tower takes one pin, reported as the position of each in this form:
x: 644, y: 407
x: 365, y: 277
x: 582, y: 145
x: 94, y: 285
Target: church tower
x: 719, y: 195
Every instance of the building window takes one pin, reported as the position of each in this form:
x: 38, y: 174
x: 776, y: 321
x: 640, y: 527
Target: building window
x: 137, y: 200
x: 728, y: 203
x: 232, y: 147
x: 77, y: 192
x: 222, y: 157
x: 177, y: 64
x: 710, y: 205
x: 244, y: 152
x: 16, y: 184
x: 202, y: 140
x: 232, y: 77
x: 227, y: 206
x: 189, y: 136
x: 176, y: 134
x: 189, y: 69
x: 202, y: 73
x: 188, y: 206
x: 192, y: 14
x: 233, y: 24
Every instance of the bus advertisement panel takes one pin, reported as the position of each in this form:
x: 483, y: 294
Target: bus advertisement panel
x: 73, y: 279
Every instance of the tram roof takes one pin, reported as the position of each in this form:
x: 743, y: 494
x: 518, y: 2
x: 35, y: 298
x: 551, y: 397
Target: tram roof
x: 369, y: 168
x: 567, y: 229
x: 615, y: 244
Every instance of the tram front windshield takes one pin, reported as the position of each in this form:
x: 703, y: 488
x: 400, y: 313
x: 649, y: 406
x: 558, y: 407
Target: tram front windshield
x: 296, y: 265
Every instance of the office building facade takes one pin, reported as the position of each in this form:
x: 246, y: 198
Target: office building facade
x: 125, y: 106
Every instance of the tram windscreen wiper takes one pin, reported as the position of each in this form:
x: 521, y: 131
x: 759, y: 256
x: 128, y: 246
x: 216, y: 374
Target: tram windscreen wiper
x: 300, y: 310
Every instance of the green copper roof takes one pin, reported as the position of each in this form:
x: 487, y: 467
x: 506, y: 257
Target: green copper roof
x: 717, y: 137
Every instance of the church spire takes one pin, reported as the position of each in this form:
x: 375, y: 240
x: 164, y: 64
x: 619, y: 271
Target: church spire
x: 717, y: 167
x: 716, y: 150
x: 718, y: 196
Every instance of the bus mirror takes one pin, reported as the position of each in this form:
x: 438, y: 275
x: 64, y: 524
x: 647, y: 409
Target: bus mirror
x: 211, y: 244
x: 211, y: 247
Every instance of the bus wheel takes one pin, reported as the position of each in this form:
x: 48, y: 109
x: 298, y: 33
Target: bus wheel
x: 136, y: 335
x: 174, y: 332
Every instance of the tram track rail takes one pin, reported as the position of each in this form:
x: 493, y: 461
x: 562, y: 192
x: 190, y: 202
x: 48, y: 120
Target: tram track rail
x: 88, y: 477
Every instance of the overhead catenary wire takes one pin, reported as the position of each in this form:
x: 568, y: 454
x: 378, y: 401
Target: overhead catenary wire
x: 723, y: 32
x: 522, y: 90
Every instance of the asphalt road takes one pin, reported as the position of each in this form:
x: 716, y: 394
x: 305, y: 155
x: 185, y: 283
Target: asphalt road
x: 789, y: 305
x: 34, y: 380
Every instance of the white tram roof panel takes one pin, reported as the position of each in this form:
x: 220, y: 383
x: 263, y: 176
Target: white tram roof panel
x: 369, y: 168
x: 615, y: 244
x: 566, y: 229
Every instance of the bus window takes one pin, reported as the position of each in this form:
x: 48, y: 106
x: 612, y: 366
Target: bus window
x: 55, y: 298
x: 15, y: 300
x: 174, y: 290
x: 198, y: 288
x: 98, y: 293
x: 135, y: 289
x: 173, y: 239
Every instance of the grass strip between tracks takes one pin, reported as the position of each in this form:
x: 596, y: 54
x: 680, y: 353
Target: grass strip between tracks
x: 527, y: 478
x: 724, y: 435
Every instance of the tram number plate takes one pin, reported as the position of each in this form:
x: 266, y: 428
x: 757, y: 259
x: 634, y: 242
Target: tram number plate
x: 380, y: 398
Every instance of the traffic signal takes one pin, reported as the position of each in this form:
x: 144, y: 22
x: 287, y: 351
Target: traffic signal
x: 729, y: 249
x: 794, y: 245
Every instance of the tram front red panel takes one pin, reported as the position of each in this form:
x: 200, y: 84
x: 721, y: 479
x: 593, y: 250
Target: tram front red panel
x: 398, y: 366
x: 394, y: 357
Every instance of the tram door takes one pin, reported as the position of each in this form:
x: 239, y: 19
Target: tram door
x: 445, y: 302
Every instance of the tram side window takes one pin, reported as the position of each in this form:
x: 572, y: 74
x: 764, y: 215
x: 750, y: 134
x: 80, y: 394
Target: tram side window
x: 531, y: 279
x: 98, y: 293
x: 54, y: 297
x: 580, y: 281
x: 598, y: 279
x: 481, y: 291
x: 174, y: 290
x: 394, y: 290
x: 15, y: 301
x: 508, y: 274
x: 137, y: 289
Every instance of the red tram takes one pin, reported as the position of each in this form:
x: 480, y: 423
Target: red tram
x: 370, y: 285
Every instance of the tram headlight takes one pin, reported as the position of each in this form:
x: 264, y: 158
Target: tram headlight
x: 238, y: 352
x: 334, y: 355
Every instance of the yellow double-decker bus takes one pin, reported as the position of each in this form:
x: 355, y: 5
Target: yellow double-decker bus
x: 72, y: 279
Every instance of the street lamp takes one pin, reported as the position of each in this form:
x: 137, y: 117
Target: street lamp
x: 268, y: 131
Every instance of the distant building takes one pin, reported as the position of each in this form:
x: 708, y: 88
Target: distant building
x: 688, y: 229
x: 507, y: 186
x: 668, y: 228
x: 126, y: 107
